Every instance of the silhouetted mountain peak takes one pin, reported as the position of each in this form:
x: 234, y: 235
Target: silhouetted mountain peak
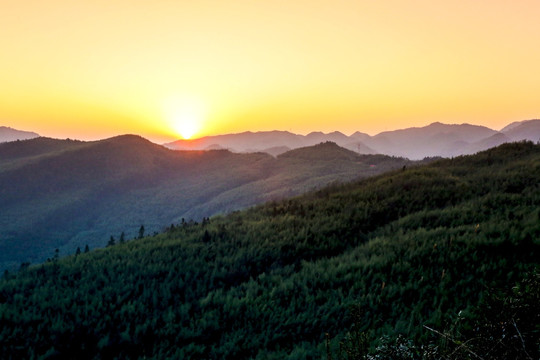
x: 518, y: 123
x: 35, y: 147
x: 127, y: 139
x: 10, y: 134
x: 360, y: 135
x: 323, y: 151
x: 436, y: 124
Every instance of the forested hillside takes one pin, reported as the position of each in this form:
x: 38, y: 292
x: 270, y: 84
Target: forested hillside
x: 389, y: 254
x: 64, y: 194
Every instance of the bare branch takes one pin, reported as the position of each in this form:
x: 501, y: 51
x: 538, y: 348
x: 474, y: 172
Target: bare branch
x: 455, y: 342
x: 521, y: 337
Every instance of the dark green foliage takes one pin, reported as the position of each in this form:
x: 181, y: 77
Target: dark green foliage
x: 408, y: 249
x: 505, y: 326
x: 355, y: 345
x: 141, y: 232
x: 111, y: 241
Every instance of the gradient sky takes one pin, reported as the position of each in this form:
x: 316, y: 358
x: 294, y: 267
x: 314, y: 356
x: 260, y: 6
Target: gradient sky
x: 91, y: 69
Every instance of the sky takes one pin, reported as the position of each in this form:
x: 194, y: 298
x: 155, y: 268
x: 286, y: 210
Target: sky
x: 163, y: 69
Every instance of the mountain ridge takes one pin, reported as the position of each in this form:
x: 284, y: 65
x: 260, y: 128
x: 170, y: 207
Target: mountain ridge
x: 8, y: 134
x: 435, y: 139
x: 63, y: 193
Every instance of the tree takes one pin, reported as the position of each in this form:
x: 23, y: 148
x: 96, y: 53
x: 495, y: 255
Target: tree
x: 206, y: 237
x: 141, y: 232
x: 111, y: 241
x: 122, y: 238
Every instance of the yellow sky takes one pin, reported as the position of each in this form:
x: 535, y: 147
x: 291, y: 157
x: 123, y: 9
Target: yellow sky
x: 93, y: 69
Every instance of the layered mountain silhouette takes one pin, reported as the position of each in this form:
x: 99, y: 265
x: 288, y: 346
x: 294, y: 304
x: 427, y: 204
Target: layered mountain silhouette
x: 65, y: 194
x: 436, y: 139
x: 9, y: 134
x: 272, y: 142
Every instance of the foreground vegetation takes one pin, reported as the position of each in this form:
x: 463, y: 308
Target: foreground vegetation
x: 401, y: 254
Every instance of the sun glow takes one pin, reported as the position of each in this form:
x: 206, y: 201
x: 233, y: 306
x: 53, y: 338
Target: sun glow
x: 185, y: 115
x: 186, y: 125
x: 365, y: 66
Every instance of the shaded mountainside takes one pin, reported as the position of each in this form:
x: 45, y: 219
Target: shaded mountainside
x: 433, y: 140
x: 64, y: 194
x: 436, y: 139
x: 410, y: 248
x: 523, y: 130
x: 9, y: 134
x: 327, y: 151
x: 15, y: 151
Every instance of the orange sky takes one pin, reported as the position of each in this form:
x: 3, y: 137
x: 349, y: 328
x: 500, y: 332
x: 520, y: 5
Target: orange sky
x: 94, y: 69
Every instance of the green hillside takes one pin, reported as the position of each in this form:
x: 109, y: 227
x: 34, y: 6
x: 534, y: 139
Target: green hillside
x: 391, y: 254
x: 63, y: 194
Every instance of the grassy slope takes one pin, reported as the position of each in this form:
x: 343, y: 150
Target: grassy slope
x: 408, y: 248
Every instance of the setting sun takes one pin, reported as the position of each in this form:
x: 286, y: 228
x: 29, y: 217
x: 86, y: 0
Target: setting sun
x: 186, y: 125
x: 185, y: 115
x: 72, y: 69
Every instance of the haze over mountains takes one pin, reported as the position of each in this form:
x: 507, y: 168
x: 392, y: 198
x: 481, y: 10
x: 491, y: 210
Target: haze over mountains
x: 436, y: 139
x: 9, y: 134
x: 64, y: 193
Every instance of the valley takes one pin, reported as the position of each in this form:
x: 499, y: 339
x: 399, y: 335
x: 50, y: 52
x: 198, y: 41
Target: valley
x: 64, y: 194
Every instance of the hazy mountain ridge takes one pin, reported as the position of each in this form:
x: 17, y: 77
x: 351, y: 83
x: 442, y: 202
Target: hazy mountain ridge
x: 264, y: 140
x: 64, y: 194
x: 436, y: 139
x: 524, y: 130
x: 8, y: 134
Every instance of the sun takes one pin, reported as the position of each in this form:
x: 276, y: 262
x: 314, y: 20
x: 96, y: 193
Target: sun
x: 185, y: 115
x: 186, y: 124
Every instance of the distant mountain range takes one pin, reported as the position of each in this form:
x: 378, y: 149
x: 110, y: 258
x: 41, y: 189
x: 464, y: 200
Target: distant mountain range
x: 65, y: 194
x: 436, y: 139
x: 9, y: 134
